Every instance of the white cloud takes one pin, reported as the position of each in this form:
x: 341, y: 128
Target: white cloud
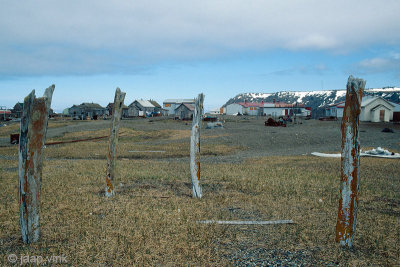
x: 387, y: 64
x: 101, y: 36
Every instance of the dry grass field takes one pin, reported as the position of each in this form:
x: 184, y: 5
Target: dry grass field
x: 152, y: 219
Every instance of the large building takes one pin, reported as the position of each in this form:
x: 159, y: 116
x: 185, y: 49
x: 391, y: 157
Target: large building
x: 140, y: 108
x: 374, y: 109
x: 85, y: 110
x: 171, y: 104
x: 184, y: 111
x: 267, y: 109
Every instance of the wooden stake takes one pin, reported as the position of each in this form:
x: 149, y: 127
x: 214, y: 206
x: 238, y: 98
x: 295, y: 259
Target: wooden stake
x: 32, y: 137
x: 350, y: 161
x: 195, y: 146
x: 112, y: 148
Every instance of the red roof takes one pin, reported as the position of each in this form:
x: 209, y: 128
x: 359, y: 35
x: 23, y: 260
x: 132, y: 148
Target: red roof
x: 251, y: 104
x: 277, y: 104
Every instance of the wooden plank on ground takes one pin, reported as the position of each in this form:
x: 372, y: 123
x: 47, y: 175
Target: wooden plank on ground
x: 247, y: 222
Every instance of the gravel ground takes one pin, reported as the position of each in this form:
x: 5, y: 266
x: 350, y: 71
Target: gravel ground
x: 299, y: 139
x: 257, y: 140
x: 253, y: 138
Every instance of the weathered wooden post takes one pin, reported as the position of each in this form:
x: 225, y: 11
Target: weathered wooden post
x: 112, y: 148
x: 195, y: 146
x: 32, y: 137
x: 350, y: 161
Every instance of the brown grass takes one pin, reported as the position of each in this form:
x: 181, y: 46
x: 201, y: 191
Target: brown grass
x: 13, y: 127
x: 152, y: 218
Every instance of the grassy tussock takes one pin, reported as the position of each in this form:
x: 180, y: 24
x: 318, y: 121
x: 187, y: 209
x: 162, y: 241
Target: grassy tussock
x: 152, y: 218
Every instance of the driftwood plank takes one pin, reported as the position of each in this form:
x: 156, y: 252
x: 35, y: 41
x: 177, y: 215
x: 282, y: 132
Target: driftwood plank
x: 112, y: 148
x: 32, y: 138
x: 247, y: 222
x: 195, y: 147
x: 350, y: 161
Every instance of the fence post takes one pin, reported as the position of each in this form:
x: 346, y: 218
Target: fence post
x: 350, y: 161
x: 32, y: 137
x: 112, y: 148
x: 195, y: 146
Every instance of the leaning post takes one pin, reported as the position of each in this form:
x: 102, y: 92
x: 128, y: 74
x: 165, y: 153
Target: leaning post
x: 112, y: 148
x: 195, y: 146
x: 33, y: 129
x: 350, y: 162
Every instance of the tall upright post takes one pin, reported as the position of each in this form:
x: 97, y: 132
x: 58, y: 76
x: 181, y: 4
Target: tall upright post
x: 35, y: 116
x: 112, y: 148
x: 350, y: 161
x: 195, y: 146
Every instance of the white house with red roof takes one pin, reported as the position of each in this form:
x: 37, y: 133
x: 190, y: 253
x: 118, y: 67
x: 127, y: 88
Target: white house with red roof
x: 245, y: 108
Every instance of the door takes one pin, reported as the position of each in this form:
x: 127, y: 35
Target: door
x: 381, y: 115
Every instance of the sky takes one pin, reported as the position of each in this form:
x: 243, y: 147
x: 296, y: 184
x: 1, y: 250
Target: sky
x: 178, y: 49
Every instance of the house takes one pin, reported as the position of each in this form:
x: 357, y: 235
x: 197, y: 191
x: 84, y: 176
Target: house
x: 215, y: 111
x: 124, y: 112
x: 274, y: 109
x: 84, y: 110
x: 17, y: 110
x: 5, y: 114
x: 234, y: 109
x: 396, y: 112
x: 140, y: 108
x: 158, y: 109
x: 332, y: 110
x: 184, y: 111
x: 245, y: 108
x: 253, y: 108
x: 171, y: 104
x: 374, y: 109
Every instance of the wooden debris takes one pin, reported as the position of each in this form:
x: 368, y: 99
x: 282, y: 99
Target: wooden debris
x: 350, y: 161
x: 112, y: 149
x: 146, y: 151
x: 247, y: 222
x: 31, y: 141
x: 195, y: 146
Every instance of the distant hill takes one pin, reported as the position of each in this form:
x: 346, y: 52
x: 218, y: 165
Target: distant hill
x: 317, y: 100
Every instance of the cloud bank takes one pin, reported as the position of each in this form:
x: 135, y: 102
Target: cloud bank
x: 92, y: 37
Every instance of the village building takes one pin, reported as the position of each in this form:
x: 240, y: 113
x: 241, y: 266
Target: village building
x: 184, y: 111
x: 16, y: 112
x: 373, y: 109
x: 171, y: 104
x: 234, y: 109
x: 124, y: 112
x: 274, y: 109
x: 5, y: 114
x: 158, y: 109
x: 87, y: 110
x: 140, y: 108
x: 396, y: 112
x: 215, y: 111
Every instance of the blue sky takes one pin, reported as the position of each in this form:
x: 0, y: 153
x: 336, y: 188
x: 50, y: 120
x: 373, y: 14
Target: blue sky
x: 177, y: 49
